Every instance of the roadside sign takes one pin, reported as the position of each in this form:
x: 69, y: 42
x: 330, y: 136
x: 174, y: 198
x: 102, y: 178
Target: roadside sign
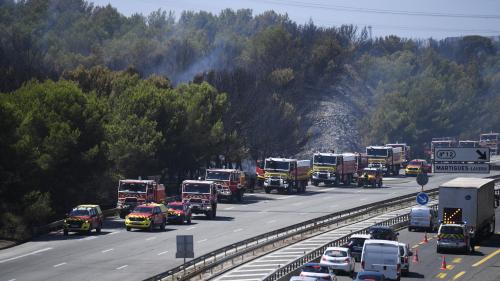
x: 476, y: 168
x: 462, y: 154
x: 184, y: 247
x: 422, y: 198
x: 422, y: 179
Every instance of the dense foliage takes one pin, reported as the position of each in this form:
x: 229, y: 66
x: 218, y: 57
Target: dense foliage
x: 90, y: 95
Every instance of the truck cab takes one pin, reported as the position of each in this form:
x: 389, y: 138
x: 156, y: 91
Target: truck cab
x: 232, y: 183
x: 331, y: 168
x: 285, y: 175
x: 202, y: 196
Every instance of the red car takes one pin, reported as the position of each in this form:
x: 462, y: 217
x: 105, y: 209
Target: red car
x: 179, y: 212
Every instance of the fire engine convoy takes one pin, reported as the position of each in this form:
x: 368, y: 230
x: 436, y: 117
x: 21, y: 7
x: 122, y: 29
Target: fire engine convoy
x: 405, y: 149
x: 333, y: 168
x: 491, y: 140
x: 285, y: 175
x: 389, y: 159
x: 202, y: 196
x: 232, y: 183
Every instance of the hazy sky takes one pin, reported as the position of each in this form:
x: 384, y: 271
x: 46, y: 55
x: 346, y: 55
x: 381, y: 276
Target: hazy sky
x: 406, y: 18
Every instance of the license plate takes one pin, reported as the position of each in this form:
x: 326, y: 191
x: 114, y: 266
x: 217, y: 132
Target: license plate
x: 73, y: 225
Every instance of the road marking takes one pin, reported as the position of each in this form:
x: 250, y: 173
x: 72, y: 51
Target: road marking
x: 107, y: 250
x: 192, y: 227
x: 393, y: 193
x: 324, y: 189
x: 362, y: 199
x: 476, y: 248
x: 238, y: 230
x: 298, y: 203
x: 115, y: 232
x: 229, y: 208
x: 162, y: 253
x: 360, y: 191
x: 415, y: 246
x: 441, y: 275
x: 271, y: 221
x: 90, y: 238
x: 121, y: 267
x: 151, y: 238
x: 202, y: 240
x: 486, y: 258
x: 457, y: 260
x: 286, y: 197
x: 458, y: 275
x: 12, y: 280
x: 59, y: 264
x: 25, y: 255
x: 450, y: 266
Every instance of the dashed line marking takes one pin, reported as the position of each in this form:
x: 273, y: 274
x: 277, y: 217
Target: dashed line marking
x: 298, y: 203
x: 441, y: 275
x: 238, y: 230
x: 229, y: 208
x: 90, y: 238
x: 113, y: 233
x: 450, y: 266
x: 12, y: 280
x: 192, y: 227
x: 486, y: 258
x: 25, y: 255
x: 457, y: 260
x: 202, y: 240
x: 458, y: 275
x: 151, y: 238
x: 362, y: 199
x: 107, y: 250
x: 162, y: 253
x: 121, y: 267
x: 359, y: 191
x: 59, y: 264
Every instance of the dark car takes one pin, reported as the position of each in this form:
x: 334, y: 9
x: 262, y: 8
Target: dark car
x: 383, y: 233
x: 370, y: 275
x: 355, y: 244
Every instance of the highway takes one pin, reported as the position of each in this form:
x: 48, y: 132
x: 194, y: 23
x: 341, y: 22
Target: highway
x: 117, y: 254
x: 482, y: 265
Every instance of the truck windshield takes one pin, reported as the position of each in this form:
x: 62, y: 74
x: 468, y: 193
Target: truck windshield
x: 376, y: 152
x: 324, y: 160
x: 132, y: 187
x: 174, y: 207
x: 489, y: 137
x: 217, y: 175
x: 197, y: 188
x: 277, y: 165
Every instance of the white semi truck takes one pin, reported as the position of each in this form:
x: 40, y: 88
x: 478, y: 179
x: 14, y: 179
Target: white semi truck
x: 466, y: 211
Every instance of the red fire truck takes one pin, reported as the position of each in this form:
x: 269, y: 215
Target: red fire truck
x: 232, y: 183
x: 132, y: 192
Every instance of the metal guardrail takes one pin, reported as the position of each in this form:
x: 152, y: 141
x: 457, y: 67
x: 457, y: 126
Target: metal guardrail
x: 210, y: 260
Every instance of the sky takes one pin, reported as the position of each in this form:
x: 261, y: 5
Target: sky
x: 406, y: 18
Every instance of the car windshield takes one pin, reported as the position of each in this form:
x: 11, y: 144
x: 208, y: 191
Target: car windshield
x: 197, y: 187
x: 79, y: 212
x: 416, y: 163
x: 324, y: 159
x: 376, y: 151
x: 175, y: 207
x: 336, y: 253
x: 132, y: 187
x: 217, y: 175
x: 370, y: 172
x: 315, y: 269
x: 143, y: 210
x: 277, y: 165
x: 357, y: 242
x: 451, y: 229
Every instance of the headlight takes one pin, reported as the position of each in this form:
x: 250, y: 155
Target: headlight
x: 86, y: 221
x: 65, y: 221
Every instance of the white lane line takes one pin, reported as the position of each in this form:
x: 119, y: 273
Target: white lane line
x: 162, y: 253
x: 12, y: 280
x: 298, y: 203
x: 360, y: 191
x: 192, y: 227
x: 238, y: 230
x: 150, y: 238
x: 362, y: 199
x: 113, y: 233
x: 324, y: 189
x: 25, y: 255
x: 107, y: 250
x: 271, y: 221
x: 393, y: 193
x: 286, y: 197
x: 202, y: 240
x: 229, y: 208
x: 59, y: 264
x: 121, y: 267
x: 90, y: 238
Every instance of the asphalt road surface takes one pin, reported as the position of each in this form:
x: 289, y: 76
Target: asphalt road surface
x: 116, y: 254
x: 483, y: 265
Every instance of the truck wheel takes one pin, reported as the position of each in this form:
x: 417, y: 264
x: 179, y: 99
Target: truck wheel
x: 189, y: 219
x: 162, y: 225
x: 438, y: 250
x: 98, y: 229
x: 373, y: 184
x: 240, y: 196
x: 65, y: 232
x: 215, y: 212
x: 315, y: 183
x: 289, y: 190
x: 151, y: 227
x: 209, y: 215
x: 336, y: 182
x: 128, y: 228
x: 360, y: 183
x: 267, y: 190
x: 380, y: 184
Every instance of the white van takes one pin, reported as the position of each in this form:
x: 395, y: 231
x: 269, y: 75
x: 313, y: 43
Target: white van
x: 423, y: 218
x: 382, y: 256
